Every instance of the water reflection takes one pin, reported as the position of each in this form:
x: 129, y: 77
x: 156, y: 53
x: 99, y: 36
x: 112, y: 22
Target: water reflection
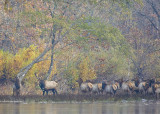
x: 80, y: 108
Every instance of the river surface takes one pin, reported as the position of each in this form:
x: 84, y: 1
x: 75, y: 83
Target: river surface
x: 123, y: 107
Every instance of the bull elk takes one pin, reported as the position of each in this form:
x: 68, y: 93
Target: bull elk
x: 46, y: 86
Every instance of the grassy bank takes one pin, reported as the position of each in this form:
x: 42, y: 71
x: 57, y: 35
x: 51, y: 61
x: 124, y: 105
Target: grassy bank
x: 73, y: 98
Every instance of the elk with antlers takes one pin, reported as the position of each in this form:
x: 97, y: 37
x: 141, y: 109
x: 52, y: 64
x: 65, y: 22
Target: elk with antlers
x: 46, y: 86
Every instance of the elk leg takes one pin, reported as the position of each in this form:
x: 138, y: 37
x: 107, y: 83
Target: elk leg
x: 43, y: 92
x: 55, y: 91
x: 47, y: 92
x: 157, y: 95
x: 114, y: 92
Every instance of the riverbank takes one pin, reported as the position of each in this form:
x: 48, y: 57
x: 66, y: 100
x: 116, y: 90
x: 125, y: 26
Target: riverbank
x: 73, y: 98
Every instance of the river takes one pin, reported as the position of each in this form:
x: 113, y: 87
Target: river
x: 123, y: 107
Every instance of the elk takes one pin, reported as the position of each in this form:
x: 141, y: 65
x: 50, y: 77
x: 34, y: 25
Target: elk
x: 156, y: 89
x: 145, y: 85
x: 141, y: 87
x: 132, y: 86
x: 110, y: 88
x: 124, y: 86
x: 97, y: 88
x: 84, y: 86
x: 46, y: 86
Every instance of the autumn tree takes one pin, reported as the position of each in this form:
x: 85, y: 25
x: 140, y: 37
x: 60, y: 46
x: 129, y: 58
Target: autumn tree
x: 60, y: 23
x: 142, y: 34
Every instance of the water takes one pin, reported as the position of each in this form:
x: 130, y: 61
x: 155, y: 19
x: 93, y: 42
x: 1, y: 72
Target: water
x: 81, y: 108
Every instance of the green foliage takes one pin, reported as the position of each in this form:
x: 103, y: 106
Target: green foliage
x: 91, y: 28
x: 110, y: 62
x: 72, y: 73
x: 82, y: 67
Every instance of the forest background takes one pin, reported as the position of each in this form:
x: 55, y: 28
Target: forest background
x: 92, y: 39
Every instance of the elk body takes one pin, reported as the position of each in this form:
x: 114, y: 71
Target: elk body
x: 110, y: 88
x: 97, y: 88
x: 85, y: 86
x: 146, y: 86
x: 141, y: 87
x: 156, y: 89
x: 129, y: 86
x: 133, y: 87
x: 124, y: 86
x: 48, y: 86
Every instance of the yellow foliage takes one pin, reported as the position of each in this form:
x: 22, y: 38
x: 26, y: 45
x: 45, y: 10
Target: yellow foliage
x: 86, y: 71
x: 1, y: 62
x: 5, y: 64
x: 11, y: 64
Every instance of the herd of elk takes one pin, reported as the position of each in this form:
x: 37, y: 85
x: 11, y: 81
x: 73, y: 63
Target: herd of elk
x: 148, y: 86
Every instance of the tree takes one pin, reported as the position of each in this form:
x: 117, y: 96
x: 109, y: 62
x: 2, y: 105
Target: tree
x: 143, y: 36
x: 151, y: 13
x: 65, y: 22
x: 55, y: 27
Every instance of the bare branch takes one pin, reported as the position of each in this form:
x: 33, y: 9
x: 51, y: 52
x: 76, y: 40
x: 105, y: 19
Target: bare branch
x: 151, y: 3
x: 149, y: 20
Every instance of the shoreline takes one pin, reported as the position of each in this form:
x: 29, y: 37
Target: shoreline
x: 69, y: 98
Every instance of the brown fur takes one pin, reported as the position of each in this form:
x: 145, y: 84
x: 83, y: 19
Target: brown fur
x: 99, y: 86
x: 84, y: 86
x: 131, y: 85
x: 156, y: 85
x: 48, y: 86
x: 156, y: 89
x: 150, y: 90
x: 157, y: 79
x: 90, y: 85
x: 144, y: 83
x: 115, y: 87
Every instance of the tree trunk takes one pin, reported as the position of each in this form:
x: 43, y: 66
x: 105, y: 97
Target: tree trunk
x: 24, y: 70
x: 52, y: 51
